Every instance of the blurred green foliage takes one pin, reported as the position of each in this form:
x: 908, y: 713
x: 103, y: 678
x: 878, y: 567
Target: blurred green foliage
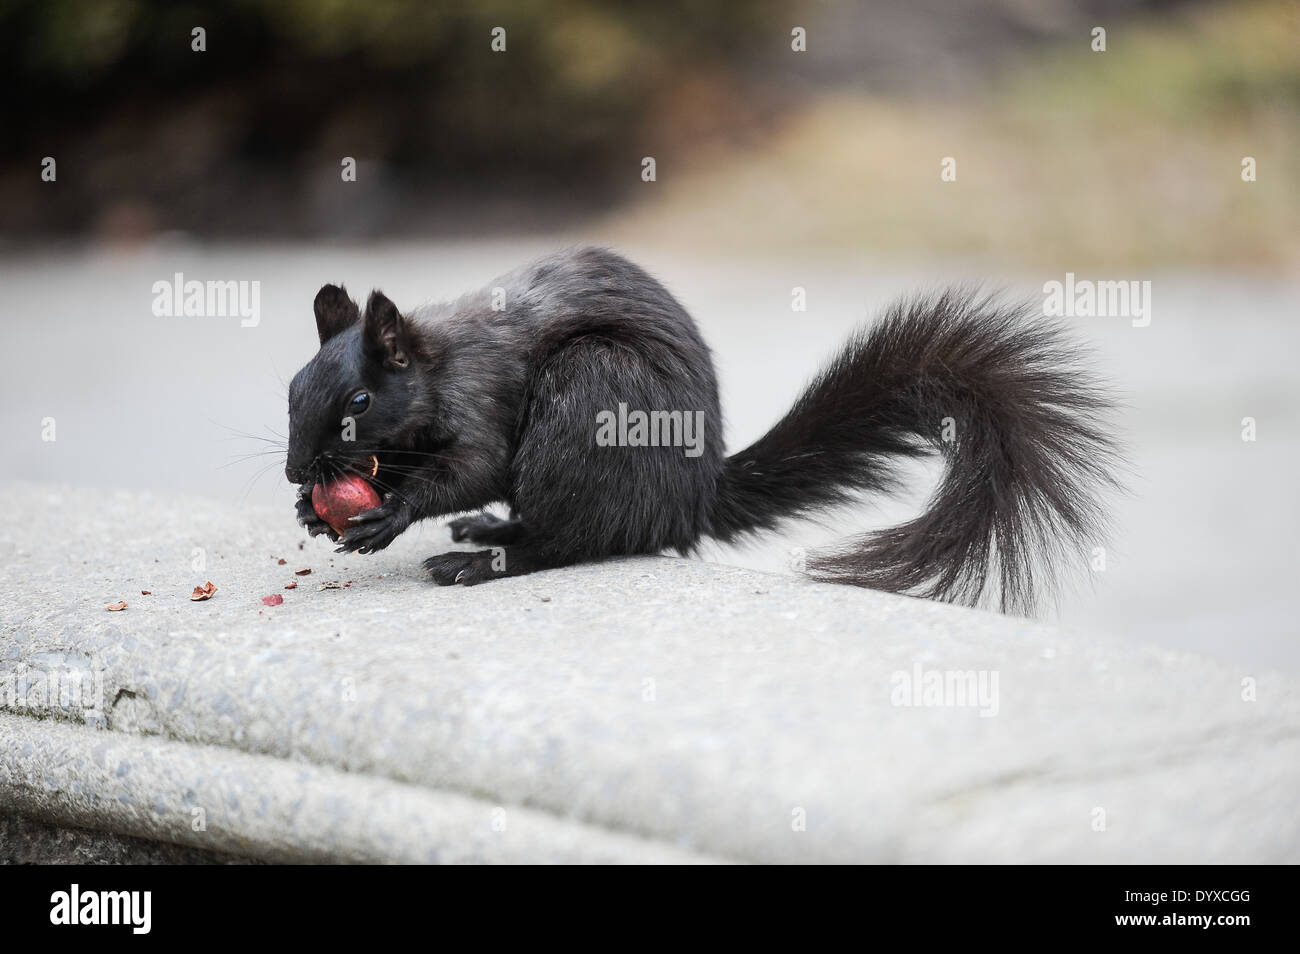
x: 285, y: 85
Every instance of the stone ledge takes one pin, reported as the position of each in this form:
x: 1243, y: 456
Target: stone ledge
x: 644, y: 709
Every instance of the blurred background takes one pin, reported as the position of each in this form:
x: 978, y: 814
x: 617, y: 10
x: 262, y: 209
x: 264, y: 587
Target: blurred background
x: 775, y: 169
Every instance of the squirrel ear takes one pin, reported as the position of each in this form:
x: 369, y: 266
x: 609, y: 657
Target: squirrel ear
x: 385, y: 333
x: 335, y: 311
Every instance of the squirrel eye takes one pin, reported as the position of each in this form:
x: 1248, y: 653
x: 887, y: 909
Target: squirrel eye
x: 358, y: 403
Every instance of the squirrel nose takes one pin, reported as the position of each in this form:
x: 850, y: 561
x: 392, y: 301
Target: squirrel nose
x: 296, y: 475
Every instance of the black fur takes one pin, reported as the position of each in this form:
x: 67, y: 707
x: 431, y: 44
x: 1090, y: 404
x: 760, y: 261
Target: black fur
x: 473, y: 404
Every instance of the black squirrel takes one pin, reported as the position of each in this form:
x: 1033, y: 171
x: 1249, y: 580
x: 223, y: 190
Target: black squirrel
x: 501, y: 397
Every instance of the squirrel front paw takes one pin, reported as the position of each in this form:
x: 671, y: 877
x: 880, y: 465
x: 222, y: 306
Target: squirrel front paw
x: 376, y: 528
x: 309, y: 519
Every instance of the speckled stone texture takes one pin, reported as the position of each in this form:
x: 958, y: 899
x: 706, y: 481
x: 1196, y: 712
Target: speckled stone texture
x: 645, y: 710
x: 29, y: 842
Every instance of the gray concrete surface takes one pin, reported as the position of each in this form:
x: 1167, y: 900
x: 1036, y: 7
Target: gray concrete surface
x: 28, y: 842
x: 646, y: 710
x: 226, y: 802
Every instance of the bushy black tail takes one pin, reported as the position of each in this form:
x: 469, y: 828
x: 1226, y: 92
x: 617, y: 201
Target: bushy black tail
x: 1000, y: 395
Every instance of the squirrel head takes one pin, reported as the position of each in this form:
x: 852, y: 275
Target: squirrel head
x: 361, y: 392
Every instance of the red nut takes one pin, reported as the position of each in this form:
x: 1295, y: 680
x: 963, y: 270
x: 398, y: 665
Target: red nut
x: 342, y: 499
